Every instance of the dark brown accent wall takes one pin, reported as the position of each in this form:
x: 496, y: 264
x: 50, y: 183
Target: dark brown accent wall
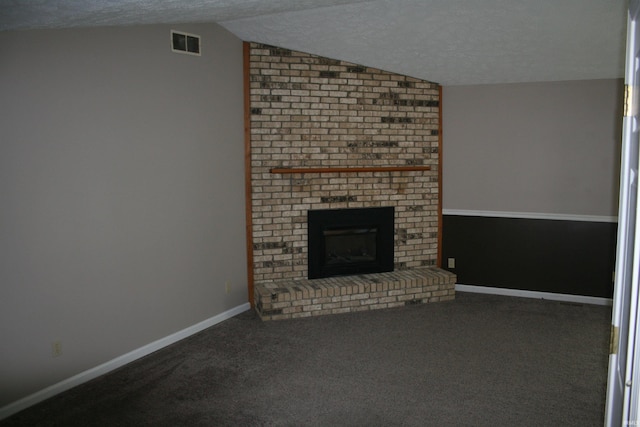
x: 557, y: 256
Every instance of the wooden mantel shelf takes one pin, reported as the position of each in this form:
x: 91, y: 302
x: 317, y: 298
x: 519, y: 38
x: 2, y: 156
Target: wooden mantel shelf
x: 350, y: 170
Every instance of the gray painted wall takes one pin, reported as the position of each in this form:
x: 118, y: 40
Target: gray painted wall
x: 535, y: 147
x: 121, y: 194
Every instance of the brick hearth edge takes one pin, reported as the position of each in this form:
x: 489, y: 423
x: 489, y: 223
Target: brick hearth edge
x: 294, y: 298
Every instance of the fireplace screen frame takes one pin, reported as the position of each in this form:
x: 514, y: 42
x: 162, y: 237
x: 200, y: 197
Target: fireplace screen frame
x: 379, y: 218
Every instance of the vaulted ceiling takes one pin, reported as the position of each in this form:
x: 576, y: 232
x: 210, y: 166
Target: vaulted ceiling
x: 451, y: 42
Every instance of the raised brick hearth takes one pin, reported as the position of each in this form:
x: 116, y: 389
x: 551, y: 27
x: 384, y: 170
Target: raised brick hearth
x: 288, y: 299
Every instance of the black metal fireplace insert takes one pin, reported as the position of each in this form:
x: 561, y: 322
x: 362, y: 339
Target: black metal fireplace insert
x: 350, y: 241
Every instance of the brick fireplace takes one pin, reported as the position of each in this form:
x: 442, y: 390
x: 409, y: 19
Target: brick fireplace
x: 328, y: 134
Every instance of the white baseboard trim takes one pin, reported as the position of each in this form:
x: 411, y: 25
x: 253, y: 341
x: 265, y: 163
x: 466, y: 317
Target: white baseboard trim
x: 113, y: 364
x: 534, y: 294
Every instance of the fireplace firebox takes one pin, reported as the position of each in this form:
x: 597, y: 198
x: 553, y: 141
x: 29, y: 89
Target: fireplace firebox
x: 350, y: 241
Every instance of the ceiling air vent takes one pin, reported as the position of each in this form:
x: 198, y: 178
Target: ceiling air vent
x: 185, y: 43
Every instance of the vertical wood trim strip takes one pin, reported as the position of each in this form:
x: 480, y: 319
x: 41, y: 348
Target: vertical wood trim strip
x: 439, y: 256
x: 247, y: 168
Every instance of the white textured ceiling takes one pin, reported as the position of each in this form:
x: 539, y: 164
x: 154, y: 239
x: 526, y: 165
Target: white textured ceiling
x: 451, y: 42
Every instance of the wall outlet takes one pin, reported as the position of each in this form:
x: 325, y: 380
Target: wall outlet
x: 56, y: 349
x: 227, y: 287
x: 451, y: 263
